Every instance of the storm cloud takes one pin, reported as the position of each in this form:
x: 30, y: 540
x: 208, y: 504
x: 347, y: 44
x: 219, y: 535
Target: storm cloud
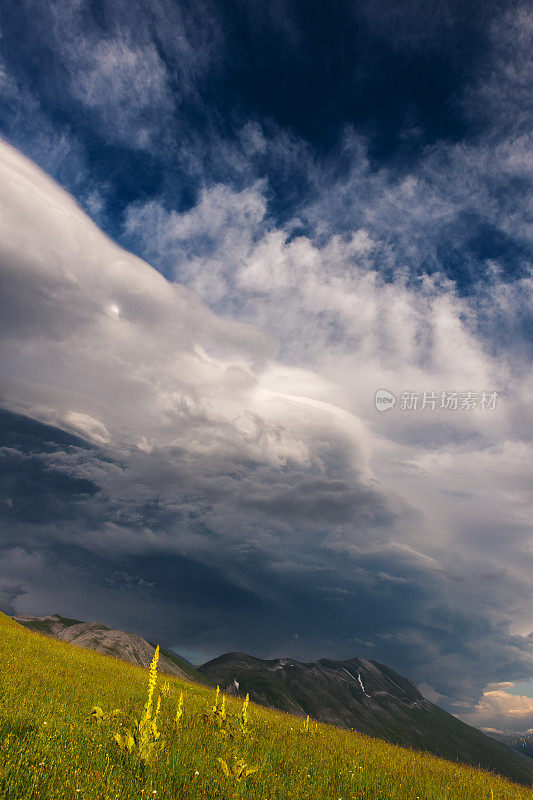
x: 190, y: 443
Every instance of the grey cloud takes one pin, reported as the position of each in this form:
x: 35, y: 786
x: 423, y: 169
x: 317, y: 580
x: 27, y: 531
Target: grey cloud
x: 9, y: 594
x: 214, y: 575
x: 319, y: 500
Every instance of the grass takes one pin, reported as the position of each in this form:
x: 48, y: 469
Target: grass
x: 51, y: 747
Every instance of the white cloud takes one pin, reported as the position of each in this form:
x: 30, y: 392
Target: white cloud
x: 202, y: 242
x: 125, y: 84
x: 501, y: 98
x: 430, y: 692
x: 116, y: 352
x: 502, y: 711
x: 86, y: 426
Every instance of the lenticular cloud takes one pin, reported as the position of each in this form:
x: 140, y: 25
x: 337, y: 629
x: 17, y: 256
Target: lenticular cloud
x: 97, y: 342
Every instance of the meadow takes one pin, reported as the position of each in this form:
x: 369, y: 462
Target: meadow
x: 76, y: 724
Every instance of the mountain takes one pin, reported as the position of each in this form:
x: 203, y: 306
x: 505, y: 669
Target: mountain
x: 521, y: 742
x: 356, y: 694
x: 126, y: 646
x: 367, y: 697
x: 50, y: 750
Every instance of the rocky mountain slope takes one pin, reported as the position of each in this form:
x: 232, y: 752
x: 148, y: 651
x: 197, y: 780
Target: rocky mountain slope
x: 119, y: 644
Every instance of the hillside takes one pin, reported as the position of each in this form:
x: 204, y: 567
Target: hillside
x: 50, y: 748
x: 365, y: 696
x: 127, y: 646
x: 357, y: 694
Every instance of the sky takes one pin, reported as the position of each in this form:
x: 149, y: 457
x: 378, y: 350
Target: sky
x: 223, y: 228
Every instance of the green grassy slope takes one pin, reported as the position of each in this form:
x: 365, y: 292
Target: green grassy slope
x: 48, y: 749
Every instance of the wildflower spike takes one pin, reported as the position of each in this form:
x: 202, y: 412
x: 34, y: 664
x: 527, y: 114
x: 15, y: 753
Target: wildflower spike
x: 179, y: 710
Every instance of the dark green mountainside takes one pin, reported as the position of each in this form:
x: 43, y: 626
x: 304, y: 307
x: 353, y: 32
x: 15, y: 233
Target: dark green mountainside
x: 368, y: 697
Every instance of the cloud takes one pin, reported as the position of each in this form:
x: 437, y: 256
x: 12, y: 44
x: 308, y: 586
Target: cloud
x: 125, y: 85
x: 86, y: 426
x: 208, y: 378
x: 500, y: 99
x: 502, y: 711
x: 9, y: 594
x: 116, y: 354
x: 199, y: 244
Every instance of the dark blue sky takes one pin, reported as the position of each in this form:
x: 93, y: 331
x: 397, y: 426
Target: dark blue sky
x: 336, y: 195
x: 395, y: 73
